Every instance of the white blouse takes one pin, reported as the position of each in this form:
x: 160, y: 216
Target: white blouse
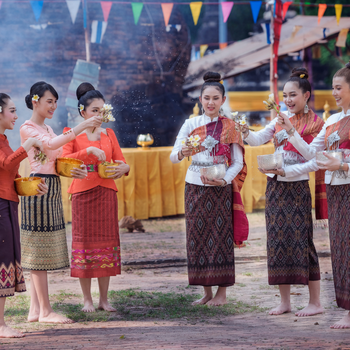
x: 318, y: 144
x: 193, y: 177
x: 295, y: 172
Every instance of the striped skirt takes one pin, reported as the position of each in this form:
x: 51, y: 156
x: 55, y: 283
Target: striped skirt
x: 338, y: 198
x: 11, y: 274
x: 95, y: 234
x: 209, y: 235
x: 291, y: 254
x: 43, y: 233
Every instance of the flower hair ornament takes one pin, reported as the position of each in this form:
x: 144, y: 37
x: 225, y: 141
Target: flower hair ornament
x: 35, y: 98
x: 81, y: 108
x: 301, y: 76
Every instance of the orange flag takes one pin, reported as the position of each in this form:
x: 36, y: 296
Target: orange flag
x: 167, y: 8
x: 321, y: 10
x: 338, y: 10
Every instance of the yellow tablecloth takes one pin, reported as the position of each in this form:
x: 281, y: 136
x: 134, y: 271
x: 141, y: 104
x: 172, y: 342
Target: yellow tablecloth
x: 155, y: 186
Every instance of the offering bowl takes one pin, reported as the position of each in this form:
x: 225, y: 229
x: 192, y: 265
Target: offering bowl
x: 102, y: 167
x: 271, y: 161
x: 64, y: 166
x: 27, y: 186
x: 145, y: 140
x: 320, y: 157
x: 217, y: 171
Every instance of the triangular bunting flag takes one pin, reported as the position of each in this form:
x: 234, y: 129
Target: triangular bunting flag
x: 73, y: 7
x: 106, y: 9
x: 255, y: 6
x: 196, y: 10
x: 338, y: 10
x: 178, y: 27
x: 98, y: 29
x: 321, y: 10
x: 202, y: 49
x: 37, y: 7
x: 222, y: 45
x: 136, y: 10
x: 167, y: 8
x: 341, y: 41
x: 226, y: 9
x: 285, y: 8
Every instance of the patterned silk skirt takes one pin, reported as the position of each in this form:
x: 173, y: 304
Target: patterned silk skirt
x: 43, y: 233
x: 338, y: 197
x: 209, y: 231
x: 11, y: 274
x: 95, y: 234
x: 291, y: 254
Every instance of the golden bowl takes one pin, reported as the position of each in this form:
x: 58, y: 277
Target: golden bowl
x: 102, y: 167
x: 145, y: 140
x: 64, y: 166
x: 27, y: 186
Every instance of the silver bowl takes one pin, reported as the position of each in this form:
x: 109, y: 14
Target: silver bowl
x: 320, y: 157
x: 217, y: 171
x: 346, y: 155
x: 271, y: 161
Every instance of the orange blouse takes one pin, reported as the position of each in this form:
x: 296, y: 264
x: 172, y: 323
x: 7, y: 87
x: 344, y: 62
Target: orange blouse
x: 77, y: 149
x: 9, y: 164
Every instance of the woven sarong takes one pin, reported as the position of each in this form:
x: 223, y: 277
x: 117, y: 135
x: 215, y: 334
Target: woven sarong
x: 43, y: 233
x: 339, y: 233
x: 95, y: 234
x: 11, y: 274
x: 291, y: 254
x: 209, y: 229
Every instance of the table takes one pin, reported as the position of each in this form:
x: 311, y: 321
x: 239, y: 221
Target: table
x: 155, y: 186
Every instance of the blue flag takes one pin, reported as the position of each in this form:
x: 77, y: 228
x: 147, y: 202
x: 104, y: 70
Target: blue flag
x: 37, y: 7
x: 255, y: 6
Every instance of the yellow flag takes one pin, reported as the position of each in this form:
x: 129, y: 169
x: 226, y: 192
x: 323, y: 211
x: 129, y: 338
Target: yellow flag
x: 338, y: 10
x: 196, y: 10
x: 202, y: 49
x: 343, y: 34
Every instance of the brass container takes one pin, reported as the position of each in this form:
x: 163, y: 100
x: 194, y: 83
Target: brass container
x: 102, y: 167
x: 145, y: 141
x: 27, y: 186
x: 64, y: 166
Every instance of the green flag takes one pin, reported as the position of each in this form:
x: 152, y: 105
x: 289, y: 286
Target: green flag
x: 136, y: 10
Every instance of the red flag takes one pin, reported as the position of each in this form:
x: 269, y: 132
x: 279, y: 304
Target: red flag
x: 277, y: 26
x: 285, y: 8
x: 106, y: 9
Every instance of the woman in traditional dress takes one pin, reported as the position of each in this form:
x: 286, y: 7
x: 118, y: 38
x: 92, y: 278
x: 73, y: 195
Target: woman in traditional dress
x: 95, y: 230
x: 334, y: 135
x: 292, y: 257
x: 43, y: 233
x: 10, y: 250
x: 215, y: 217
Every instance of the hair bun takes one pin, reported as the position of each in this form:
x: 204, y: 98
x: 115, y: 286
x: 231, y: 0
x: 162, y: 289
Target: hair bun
x: 300, y: 72
x: 83, y: 88
x: 212, y: 77
x: 348, y: 65
x: 29, y: 102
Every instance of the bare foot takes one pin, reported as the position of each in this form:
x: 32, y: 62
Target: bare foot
x: 217, y: 301
x: 106, y: 306
x: 33, y: 317
x: 310, y: 310
x: 7, y: 332
x: 280, y: 309
x: 203, y: 300
x: 343, y: 323
x: 88, y: 307
x: 55, y: 318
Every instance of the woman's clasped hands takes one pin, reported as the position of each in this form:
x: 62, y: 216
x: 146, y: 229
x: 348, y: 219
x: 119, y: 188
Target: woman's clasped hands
x: 117, y: 171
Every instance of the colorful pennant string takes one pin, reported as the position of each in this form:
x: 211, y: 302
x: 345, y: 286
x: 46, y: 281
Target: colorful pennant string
x: 321, y: 10
x: 136, y: 10
x: 106, y: 9
x: 195, y: 10
x: 73, y: 7
x: 226, y: 8
x: 37, y: 7
x: 167, y: 9
x: 255, y: 6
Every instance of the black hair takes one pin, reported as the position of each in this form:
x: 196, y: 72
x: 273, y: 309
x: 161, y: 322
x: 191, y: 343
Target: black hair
x: 344, y: 72
x: 300, y: 76
x: 85, y: 94
x: 213, y: 79
x: 39, y: 89
x: 3, y: 100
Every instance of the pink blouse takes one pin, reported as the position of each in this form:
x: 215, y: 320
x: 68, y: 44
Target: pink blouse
x: 52, y: 145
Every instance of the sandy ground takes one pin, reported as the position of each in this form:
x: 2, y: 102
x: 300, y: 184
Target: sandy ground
x: 142, y: 253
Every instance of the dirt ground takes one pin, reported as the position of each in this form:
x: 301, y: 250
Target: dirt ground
x: 154, y: 261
